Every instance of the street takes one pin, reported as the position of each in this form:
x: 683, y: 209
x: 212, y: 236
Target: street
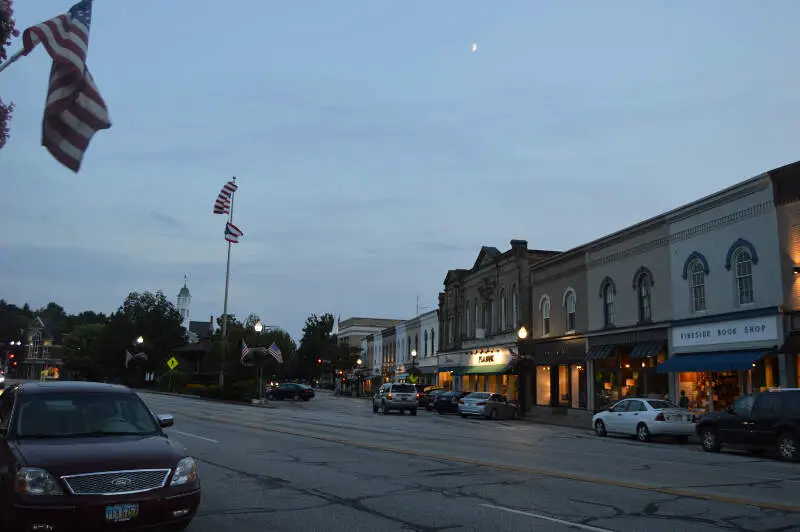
x: 331, y: 464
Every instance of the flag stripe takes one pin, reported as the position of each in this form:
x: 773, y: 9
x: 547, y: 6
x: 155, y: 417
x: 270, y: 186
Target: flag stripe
x: 223, y: 202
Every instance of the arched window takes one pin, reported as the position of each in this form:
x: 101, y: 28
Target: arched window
x: 545, y: 315
x: 515, y: 306
x: 467, y: 321
x: 744, y: 276
x: 570, y: 301
x: 697, y: 285
x: 503, y: 310
x: 609, y: 300
x: 434, y: 350
x: 644, y: 289
x: 477, y: 324
x: 425, y: 339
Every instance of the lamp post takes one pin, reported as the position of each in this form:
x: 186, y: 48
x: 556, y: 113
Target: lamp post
x: 258, y: 327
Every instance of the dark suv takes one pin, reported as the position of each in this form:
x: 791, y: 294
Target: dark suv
x: 761, y: 421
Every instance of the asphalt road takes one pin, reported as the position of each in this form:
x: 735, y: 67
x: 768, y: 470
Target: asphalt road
x: 332, y: 465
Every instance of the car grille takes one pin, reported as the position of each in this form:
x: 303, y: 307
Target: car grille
x: 116, y: 482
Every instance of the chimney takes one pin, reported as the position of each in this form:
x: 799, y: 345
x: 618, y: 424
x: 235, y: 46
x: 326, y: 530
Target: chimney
x: 519, y: 245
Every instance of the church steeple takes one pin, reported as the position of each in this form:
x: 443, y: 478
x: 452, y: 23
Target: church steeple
x: 183, y: 303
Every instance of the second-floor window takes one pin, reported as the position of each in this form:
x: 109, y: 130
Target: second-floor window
x: 644, y: 290
x: 503, y: 311
x: 697, y: 286
x: 569, y: 308
x: 425, y: 339
x: 744, y: 277
x: 515, y: 306
x: 546, y: 315
x: 609, y: 300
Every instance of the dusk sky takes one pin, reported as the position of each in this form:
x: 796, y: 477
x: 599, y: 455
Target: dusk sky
x: 374, y: 151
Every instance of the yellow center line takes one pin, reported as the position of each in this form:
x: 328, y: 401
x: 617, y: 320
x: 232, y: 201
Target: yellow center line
x: 677, y: 492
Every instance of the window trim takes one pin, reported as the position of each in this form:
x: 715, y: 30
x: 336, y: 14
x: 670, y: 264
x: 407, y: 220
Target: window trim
x: 546, y: 316
x: 570, y: 292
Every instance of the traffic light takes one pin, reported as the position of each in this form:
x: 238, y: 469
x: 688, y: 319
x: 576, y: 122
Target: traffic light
x: 319, y: 361
x: 11, y: 356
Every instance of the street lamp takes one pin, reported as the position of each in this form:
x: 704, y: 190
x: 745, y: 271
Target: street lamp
x: 139, y: 340
x: 522, y: 333
x: 258, y: 327
x: 359, y: 361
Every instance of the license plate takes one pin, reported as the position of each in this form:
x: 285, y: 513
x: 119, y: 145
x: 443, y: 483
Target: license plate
x: 121, y: 512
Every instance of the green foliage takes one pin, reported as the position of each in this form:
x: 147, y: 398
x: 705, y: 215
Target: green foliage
x: 84, y: 349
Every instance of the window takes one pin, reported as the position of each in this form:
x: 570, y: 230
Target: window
x: 697, y: 286
x: 492, y: 323
x: 425, y: 339
x: 477, y: 323
x: 743, y: 406
x: 515, y: 306
x: 569, y: 307
x: 744, y: 277
x: 545, y: 315
x: 542, y: 385
x: 503, y: 311
x: 485, y: 316
x: 644, y: 289
x: 433, y: 343
x: 609, y: 296
x: 467, y: 321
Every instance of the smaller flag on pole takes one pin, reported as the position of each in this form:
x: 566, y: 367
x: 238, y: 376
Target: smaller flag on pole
x: 232, y: 233
x: 275, y: 351
x: 223, y: 203
x: 138, y: 356
x: 245, y: 350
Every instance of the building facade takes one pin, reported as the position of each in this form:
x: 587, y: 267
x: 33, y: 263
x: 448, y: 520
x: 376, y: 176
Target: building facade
x: 480, y: 310
x: 428, y: 348
x: 732, y: 328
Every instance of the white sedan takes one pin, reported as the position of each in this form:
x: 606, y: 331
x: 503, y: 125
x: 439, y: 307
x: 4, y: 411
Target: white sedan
x: 645, y: 418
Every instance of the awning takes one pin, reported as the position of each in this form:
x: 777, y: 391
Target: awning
x: 447, y: 368
x: 599, y: 352
x: 427, y: 370
x: 489, y: 369
x: 647, y: 349
x: 725, y: 361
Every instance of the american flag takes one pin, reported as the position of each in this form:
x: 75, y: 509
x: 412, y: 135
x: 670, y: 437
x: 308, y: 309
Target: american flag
x: 245, y: 350
x: 74, y: 110
x: 275, y: 351
x: 232, y: 233
x: 223, y: 203
x: 136, y: 356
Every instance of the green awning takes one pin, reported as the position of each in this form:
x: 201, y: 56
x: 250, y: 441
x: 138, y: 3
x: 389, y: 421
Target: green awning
x: 489, y: 369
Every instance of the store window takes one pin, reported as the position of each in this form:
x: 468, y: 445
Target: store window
x: 711, y: 390
x: 543, y: 385
x: 578, y: 386
x: 564, y: 389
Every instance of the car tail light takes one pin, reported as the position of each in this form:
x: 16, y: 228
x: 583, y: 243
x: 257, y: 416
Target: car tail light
x: 460, y: 402
x: 389, y: 396
x: 660, y: 417
x: 482, y: 403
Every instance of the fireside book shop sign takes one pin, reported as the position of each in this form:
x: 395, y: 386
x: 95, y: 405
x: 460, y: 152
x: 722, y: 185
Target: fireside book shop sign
x: 751, y: 330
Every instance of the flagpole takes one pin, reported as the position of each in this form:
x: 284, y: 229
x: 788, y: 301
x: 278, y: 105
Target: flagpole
x: 11, y: 59
x: 225, y: 304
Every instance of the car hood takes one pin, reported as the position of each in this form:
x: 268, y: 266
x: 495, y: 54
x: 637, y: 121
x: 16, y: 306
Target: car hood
x: 68, y: 456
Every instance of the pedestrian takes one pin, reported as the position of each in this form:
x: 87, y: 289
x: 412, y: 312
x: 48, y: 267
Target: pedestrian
x: 684, y: 401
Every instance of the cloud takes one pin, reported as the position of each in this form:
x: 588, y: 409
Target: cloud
x: 167, y: 221
x: 431, y: 246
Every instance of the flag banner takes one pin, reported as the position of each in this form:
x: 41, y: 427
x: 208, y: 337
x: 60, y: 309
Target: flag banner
x: 74, y: 110
x: 275, y: 351
x: 232, y: 233
x: 137, y: 356
x: 222, y: 205
x: 245, y: 350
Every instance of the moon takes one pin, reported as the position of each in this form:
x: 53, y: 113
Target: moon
x: 474, y: 47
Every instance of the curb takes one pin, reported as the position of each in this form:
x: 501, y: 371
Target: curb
x: 190, y: 396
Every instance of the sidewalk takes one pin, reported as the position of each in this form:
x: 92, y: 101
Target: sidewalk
x: 210, y: 399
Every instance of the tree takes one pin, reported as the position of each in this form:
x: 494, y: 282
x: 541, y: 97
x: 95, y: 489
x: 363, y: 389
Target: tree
x: 317, y: 343
x: 84, y: 351
x: 7, y: 31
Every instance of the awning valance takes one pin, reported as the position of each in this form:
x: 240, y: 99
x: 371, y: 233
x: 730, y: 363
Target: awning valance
x: 489, y: 369
x: 599, y: 352
x: 647, y: 349
x: 723, y: 361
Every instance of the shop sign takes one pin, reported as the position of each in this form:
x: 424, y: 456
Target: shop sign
x: 749, y: 330
x: 489, y: 357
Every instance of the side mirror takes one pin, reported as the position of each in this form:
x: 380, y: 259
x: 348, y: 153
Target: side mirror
x: 165, y: 420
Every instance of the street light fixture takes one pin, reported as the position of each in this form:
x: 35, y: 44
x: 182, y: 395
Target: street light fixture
x: 139, y: 340
x: 258, y: 327
x: 358, y: 362
x: 522, y: 333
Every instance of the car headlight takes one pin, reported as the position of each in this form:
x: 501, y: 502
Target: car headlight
x: 34, y: 481
x: 185, y: 472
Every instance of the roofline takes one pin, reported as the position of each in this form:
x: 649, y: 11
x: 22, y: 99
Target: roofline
x: 670, y: 216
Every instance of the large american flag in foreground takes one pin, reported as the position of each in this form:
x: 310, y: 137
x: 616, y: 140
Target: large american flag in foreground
x: 74, y: 110
x: 222, y: 205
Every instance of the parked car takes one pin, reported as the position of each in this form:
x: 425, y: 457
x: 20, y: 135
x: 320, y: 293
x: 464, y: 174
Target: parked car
x: 488, y: 405
x: 291, y: 390
x: 90, y: 456
x: 645, y: 418
x: 763, y: 421
x: 429, y: 397
x: 447, y: 402
x: 396, y: 396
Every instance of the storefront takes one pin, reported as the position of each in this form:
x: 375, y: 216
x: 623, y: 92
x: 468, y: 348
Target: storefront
x: 489, y: 370
x: 625, y: 365
x: 712, y: 364
x: 560, y: 373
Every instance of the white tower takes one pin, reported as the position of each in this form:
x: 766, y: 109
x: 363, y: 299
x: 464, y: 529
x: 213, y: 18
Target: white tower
x: 184, y: 300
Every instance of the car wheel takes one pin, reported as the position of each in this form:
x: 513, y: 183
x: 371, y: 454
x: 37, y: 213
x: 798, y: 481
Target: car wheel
x: 709, y: 440
x: 181, y: 525
x: 306, y: 399
x: 493, y: 415
x: 642, y: 433
x: 600, y: 428
x: 787, y: 448
x: 413, y: 411
x: 384, y: 410
x: 374, y: 408
x: 515, y: 415
x: 440, y: 412
x: 296, y: 396
x: 463, y: 415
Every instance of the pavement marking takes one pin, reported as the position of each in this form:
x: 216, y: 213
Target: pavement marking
x: 193, y: 436
x: 548, y: 518
x: 677, y: 492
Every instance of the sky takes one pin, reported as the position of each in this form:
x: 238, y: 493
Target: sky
x: 373, y: 150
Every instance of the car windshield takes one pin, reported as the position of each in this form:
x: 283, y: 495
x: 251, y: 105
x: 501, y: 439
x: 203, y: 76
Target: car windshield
x: 404, y: 388
x: 660, y: 405
x: 56, y: 415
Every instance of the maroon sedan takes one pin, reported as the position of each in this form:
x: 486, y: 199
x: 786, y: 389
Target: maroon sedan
x: 90, y: 456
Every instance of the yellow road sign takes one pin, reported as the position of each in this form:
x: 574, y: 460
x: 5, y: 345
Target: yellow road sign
x: 172, y: 363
